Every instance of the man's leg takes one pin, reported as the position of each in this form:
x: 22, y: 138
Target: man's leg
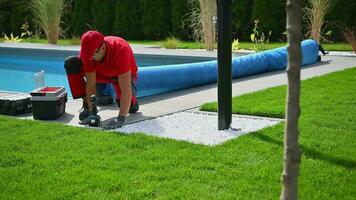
x: 75, y: 74
x: 134, y: 107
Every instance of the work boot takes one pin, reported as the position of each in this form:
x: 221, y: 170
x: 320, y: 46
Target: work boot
x: 84, y: 113
x: 133, y: 108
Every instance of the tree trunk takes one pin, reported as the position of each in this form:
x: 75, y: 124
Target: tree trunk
x: 291, y: 147
x: 208, y: 11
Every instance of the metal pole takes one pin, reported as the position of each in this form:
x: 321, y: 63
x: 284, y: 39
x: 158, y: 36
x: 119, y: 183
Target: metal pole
x: 224, y: 63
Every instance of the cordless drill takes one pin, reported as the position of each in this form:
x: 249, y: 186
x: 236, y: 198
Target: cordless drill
x: 95, y: 119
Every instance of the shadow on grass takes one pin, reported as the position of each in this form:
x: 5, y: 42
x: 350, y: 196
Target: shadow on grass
x: 311, y: 153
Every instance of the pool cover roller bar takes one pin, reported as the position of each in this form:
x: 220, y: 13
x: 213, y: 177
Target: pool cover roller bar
x: 160, y: 79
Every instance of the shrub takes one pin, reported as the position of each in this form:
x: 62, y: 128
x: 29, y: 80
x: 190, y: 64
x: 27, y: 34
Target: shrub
x: 171, y: 43
x: 12, y: 38
x: 258, y: 37
x: 235, y: 45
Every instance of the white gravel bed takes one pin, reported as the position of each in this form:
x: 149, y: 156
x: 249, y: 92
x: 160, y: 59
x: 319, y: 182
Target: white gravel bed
x: 198, y: 128
x: 341, y: 53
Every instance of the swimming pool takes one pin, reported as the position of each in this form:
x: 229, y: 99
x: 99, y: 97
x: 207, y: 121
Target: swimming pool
x: 157, y: 74
x: 17, y: 67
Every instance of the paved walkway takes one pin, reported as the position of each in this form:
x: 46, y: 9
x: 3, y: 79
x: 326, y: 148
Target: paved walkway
x: 151, y: 107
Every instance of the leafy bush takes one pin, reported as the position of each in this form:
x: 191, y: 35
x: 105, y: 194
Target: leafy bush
x: 235, y: 45
x: 258, y: 37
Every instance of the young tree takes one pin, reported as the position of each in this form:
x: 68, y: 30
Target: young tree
x: 208, y: 11
x: 291, y: 146
x: 200, y: 20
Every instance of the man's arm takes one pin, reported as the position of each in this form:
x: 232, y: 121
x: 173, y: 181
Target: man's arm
x: 126, y: 94
x: 90, y: 87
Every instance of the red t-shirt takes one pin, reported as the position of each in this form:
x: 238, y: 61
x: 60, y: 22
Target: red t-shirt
x: 119, y: 59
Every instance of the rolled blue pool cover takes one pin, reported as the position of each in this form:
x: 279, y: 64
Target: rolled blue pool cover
x: 166, y: 78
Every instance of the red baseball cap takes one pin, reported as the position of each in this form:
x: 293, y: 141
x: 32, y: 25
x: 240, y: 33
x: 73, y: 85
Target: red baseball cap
x: 89, y: 42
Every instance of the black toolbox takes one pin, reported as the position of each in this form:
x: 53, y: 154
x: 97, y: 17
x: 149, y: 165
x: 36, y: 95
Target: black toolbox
x: 48, y: 103
x: 15, y: 104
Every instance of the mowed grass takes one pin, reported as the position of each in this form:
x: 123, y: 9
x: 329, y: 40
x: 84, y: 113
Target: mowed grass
x: 51, y: 161
x: 327, y: 131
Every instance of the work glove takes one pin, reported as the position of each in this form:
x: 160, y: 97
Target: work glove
x: 115, y: 123
x: 88, y: 119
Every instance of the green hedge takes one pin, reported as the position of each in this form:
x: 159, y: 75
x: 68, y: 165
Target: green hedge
x: 241, y: 18
x: 272, y: 16
x: 81, y: 17
x: 12, y: 15
x: 179, y: 11
x: 128, y: 19
x: 342, y: 14
x: 103, y: 15
x: 158, y: 19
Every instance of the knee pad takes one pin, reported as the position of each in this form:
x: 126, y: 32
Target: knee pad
x: 73, y: 66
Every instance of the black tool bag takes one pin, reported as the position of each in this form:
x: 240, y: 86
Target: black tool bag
x: 15, y: 104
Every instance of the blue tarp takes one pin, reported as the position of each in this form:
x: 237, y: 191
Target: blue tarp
x: 166, y: 78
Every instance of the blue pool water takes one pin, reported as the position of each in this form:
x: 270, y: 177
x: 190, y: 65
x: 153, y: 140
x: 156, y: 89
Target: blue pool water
x: 16, y: 71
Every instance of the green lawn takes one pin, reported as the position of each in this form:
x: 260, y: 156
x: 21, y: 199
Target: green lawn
x: 340, y: 46
x: 52, y: 161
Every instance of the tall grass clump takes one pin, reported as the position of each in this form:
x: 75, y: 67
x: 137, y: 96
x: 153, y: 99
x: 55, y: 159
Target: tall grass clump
x: 315, y: 17
x: 171, y: 43
x: 48, y: 16
x: 200, y: 20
